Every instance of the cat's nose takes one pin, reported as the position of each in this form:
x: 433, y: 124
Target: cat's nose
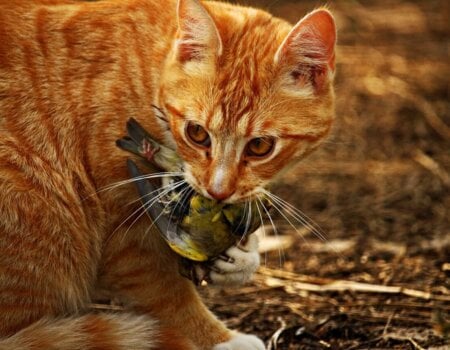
x: 220, y: 195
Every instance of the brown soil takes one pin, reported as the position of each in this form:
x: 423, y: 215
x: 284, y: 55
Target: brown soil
x: 379, y: 188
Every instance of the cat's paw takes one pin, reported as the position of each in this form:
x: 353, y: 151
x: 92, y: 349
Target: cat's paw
x: 241, y: 342
x: 238, y: 264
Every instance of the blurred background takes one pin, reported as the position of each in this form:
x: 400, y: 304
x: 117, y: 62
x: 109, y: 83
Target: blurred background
x: 379, y: 188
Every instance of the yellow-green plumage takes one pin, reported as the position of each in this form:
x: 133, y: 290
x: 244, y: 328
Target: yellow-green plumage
x: 208, y: 227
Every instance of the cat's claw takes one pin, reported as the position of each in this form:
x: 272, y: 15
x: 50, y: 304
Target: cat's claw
x: 241, y: 342
x: 238, y: 264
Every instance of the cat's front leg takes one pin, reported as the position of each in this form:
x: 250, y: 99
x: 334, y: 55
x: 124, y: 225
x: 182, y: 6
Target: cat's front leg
x: 237, y: 265
x: 144, y: 277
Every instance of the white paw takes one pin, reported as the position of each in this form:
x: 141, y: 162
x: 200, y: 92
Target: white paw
x: 238, y: 265
x: 241, y: 342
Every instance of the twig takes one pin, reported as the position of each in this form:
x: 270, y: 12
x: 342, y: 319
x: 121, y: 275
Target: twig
x: 382, y: 317
x: 388, y: 323
x: 274, y: 338
x: 266, y: 271
x: 431, y: 117
x: 387, y: 337
x: 293, y: 283
x: 238, y: 320
x: 431, y: 165
x: 394, y: 336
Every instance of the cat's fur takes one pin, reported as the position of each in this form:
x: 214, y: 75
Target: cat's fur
x: 71, y: 74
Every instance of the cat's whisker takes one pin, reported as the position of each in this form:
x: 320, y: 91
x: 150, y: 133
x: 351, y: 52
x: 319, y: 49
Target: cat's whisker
x: 244, y: 217
x: 188, y: 196
x: 297, y: 215
x: 160, y: 114
x: 128, y: 181
x: 183, y: 201
x: 307, y: 221
x: 187, y: 191
x: 159, y: 189
x: 143, y: 177
x: 249, y: 218
x: 300, y: 217
x: 154, y: 220
x: 155, y: 199
x: 140, y: 198
x: 137, y: 178
x: 162, y: 191
x: 150, y: 203
x: 263, y: 231
x: 247, y: 223
x: 281, y: 212
x: 164, y: 210
x: 310, y: 224
x: 146, y: 205
x: 275, y: 231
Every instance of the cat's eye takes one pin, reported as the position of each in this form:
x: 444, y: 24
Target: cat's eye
x: 197, y: 134
x: 260, y: 147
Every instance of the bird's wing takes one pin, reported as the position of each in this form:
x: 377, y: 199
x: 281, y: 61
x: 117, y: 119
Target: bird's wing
x: 177, y: 239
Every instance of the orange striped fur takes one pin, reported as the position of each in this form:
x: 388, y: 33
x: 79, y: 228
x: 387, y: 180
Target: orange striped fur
x: 71, y: 74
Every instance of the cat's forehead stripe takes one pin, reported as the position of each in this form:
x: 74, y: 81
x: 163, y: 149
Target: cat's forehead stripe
x: 174, y: 111
x: 244, y: 76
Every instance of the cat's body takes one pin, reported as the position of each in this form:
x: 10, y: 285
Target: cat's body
x: 71, y: 74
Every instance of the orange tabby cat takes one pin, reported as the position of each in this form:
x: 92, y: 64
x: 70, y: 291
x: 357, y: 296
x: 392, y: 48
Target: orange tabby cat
x: 240, y: 94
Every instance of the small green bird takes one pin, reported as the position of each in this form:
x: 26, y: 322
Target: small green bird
x: 197, y: 228
x: 203, y: 231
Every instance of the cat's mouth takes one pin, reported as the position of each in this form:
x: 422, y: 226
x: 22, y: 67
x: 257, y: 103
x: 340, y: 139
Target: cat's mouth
x: 186, y: 219
x: 235, y: 198
x: 232, y: 199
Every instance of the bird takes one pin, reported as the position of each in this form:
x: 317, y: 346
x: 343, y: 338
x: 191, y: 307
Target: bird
x: 204, y: 230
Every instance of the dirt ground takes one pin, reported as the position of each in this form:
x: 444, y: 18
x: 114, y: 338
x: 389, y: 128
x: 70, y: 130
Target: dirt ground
x: 379, y: 189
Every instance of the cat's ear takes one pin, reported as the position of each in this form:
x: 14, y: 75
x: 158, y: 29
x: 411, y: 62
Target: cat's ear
x: 198, y: 37
x: 308, y: 51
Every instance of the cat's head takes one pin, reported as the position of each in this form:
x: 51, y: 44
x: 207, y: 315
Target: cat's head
x: 246, y: 94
